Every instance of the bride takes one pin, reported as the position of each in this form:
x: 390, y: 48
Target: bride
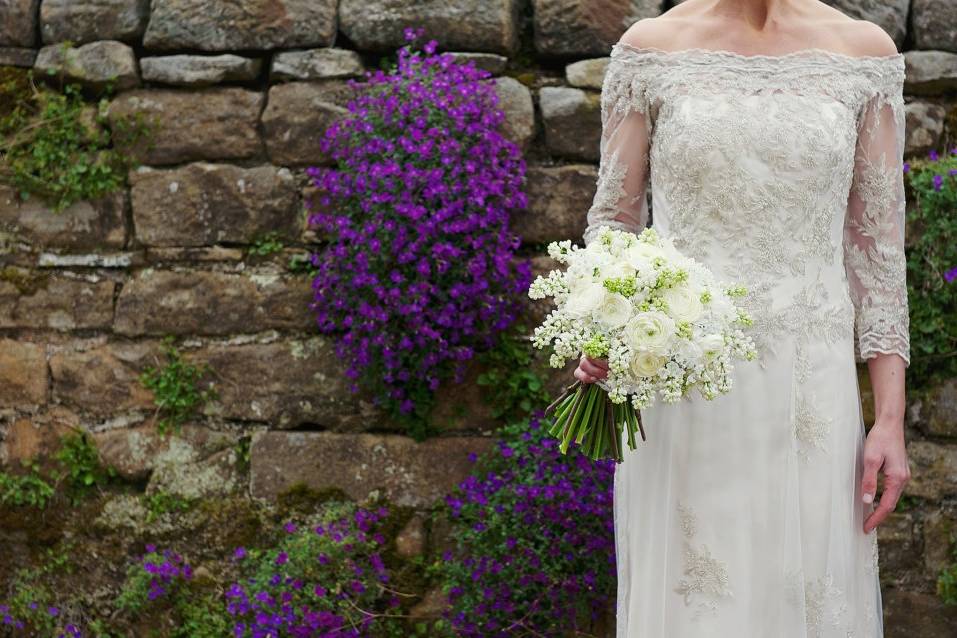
x: 770, y: 136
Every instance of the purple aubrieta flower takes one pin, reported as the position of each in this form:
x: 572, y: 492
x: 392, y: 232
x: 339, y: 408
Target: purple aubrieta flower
x: 951, y: 275
x: 938, y: 182
x: 420, y: 271
x: 934, y: 155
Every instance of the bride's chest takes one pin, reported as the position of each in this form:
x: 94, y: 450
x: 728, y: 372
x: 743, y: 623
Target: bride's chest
x: 760, y: 136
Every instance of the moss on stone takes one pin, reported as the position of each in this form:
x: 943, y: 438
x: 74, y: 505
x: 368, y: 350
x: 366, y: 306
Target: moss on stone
x: 27, y: 282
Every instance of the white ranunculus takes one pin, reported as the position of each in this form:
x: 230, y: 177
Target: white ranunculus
x: 584, y: 299
x: 641, y: 254
x: 711, y: 344
x: 613, y: 311
x: 652, y: 331
x: 647, y: 364
x: 684, y: 304
x: 618, y: 269
x: 690, y: 350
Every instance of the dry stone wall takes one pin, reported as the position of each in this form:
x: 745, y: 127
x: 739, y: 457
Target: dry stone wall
x: 241, y: 91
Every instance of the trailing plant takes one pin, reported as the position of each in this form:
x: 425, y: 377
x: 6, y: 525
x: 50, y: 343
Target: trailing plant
x: 55, y: 146
x: 534, y: 550
x: 324, y: 578
x: 932, y: 266
x: 159, y: 503
x: 79, y: 458
x: 420, y: 272
x: 266, y: 244
x: 175, y: 388
x: 32, y: 608
x: 515, y: 389
x: 947, y: 580
x: 27, y: 489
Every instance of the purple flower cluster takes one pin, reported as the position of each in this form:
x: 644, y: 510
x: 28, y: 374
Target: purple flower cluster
x: 166, y: 570
x: 535, y: 540
x: 9, y: 621
x: 420, y: 270
x: 319, y: 582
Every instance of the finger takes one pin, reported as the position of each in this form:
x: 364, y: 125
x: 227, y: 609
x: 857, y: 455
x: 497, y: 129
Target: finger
x: 600, y: 363
x: 583, y: 376
x: 889, y: 498
x: 593, y: 370
x: 872, y: 463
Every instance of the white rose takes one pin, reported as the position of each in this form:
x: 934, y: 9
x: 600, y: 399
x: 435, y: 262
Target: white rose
x: 711, y: 344
x: 641, y: 254
x: 617, y: 270
x: 684, y: 304
x: 652, y: 330
x: 613, y: 311
x: 690, y: 350
x: 647, y: 364
x: 584, y: 299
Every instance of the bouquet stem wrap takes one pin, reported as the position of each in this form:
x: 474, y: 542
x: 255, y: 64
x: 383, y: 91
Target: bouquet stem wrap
x: 584, y: 412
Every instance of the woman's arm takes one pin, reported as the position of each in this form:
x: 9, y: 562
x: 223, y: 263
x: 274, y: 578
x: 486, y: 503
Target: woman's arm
x: 884, y: 449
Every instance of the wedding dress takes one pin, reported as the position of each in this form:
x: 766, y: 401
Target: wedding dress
x: 742, y: 516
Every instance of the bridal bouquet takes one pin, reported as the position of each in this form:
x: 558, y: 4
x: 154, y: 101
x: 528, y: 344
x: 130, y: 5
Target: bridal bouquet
x: 665, y: 324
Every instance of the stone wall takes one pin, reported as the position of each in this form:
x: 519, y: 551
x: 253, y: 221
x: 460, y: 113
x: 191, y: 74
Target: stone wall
x: 242, y: 91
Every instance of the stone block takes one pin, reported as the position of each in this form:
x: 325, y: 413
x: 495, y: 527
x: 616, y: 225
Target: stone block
x: 489, y: 26
x: 18, y: 57
x: 558, y: 200
x: 924, y: 127
x: 23, y: 374
x: 934, y: 23
x: 916, y: 615
x: 515, y: 100
x: 199, y: 70
x: 104, y: 380
x: 204, y: 203
x: 85, y: 225
x: 566, y: 28
x: 942, y: 410
x: 31, y: 299
x: 231, y: 25
x: 572, y: 121
x: 208, y: 124
x: 96, y: 65
x: 159, y: 302
x: 316, y: 64
x: 296, y: 118
x: 396, y: 467
x: 81, y: 21
x: 933, y: 470
x: 587, y: 74
x: 930, y: 72
x: 18, y: 23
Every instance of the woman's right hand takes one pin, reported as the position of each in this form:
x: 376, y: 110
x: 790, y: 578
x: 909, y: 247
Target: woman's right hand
x: 590, y: 370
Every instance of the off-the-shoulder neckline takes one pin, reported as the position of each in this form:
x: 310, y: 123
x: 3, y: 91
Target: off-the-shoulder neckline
x: 811, y: 52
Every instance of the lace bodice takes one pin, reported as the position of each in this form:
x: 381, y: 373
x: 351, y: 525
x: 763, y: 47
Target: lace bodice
x: 781, y: 172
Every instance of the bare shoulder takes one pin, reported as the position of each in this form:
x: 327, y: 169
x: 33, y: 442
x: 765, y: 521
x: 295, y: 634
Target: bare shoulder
x: 663, y: 31
x: 857, y: 36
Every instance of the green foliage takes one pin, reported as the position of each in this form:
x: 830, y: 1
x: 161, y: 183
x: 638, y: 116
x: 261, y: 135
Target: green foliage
x: 196, y: 610
x: 55, y: 146
x: 160, y: 503
x: 79, y: 457
x: 932, y: 252
x: 514, y: 388
x: 302, y: 263
x: 33, y: 601
x: 175, y: 388
x: 30, y: 489
x: 947, y: 580
x: 266, y: 244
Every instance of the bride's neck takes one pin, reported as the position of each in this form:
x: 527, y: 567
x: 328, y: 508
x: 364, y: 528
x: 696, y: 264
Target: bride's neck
x: 758, y: 14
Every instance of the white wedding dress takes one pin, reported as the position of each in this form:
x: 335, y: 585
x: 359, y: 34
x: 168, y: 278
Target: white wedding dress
x: 742, y: 517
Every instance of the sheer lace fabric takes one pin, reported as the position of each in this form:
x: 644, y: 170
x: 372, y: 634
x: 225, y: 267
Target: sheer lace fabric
x: 741, y: 516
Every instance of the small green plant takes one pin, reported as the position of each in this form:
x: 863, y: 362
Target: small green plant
x: 56, y: 146
x: 947, y: 580
x: 29, y: 489
x: 175, y: 390
x: 160, y: 503
x: 302, y: 263
x: 32, y: 603
x: 81, y: 462
x: 514, y: 388
x: 266, y: 244
x: 931, y: 263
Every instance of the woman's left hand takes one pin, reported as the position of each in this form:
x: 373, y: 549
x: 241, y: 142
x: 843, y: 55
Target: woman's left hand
x: 884, y: 451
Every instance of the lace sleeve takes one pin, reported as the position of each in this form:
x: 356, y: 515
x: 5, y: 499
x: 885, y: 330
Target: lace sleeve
x: 874, y: 227
x: 620, y: 197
